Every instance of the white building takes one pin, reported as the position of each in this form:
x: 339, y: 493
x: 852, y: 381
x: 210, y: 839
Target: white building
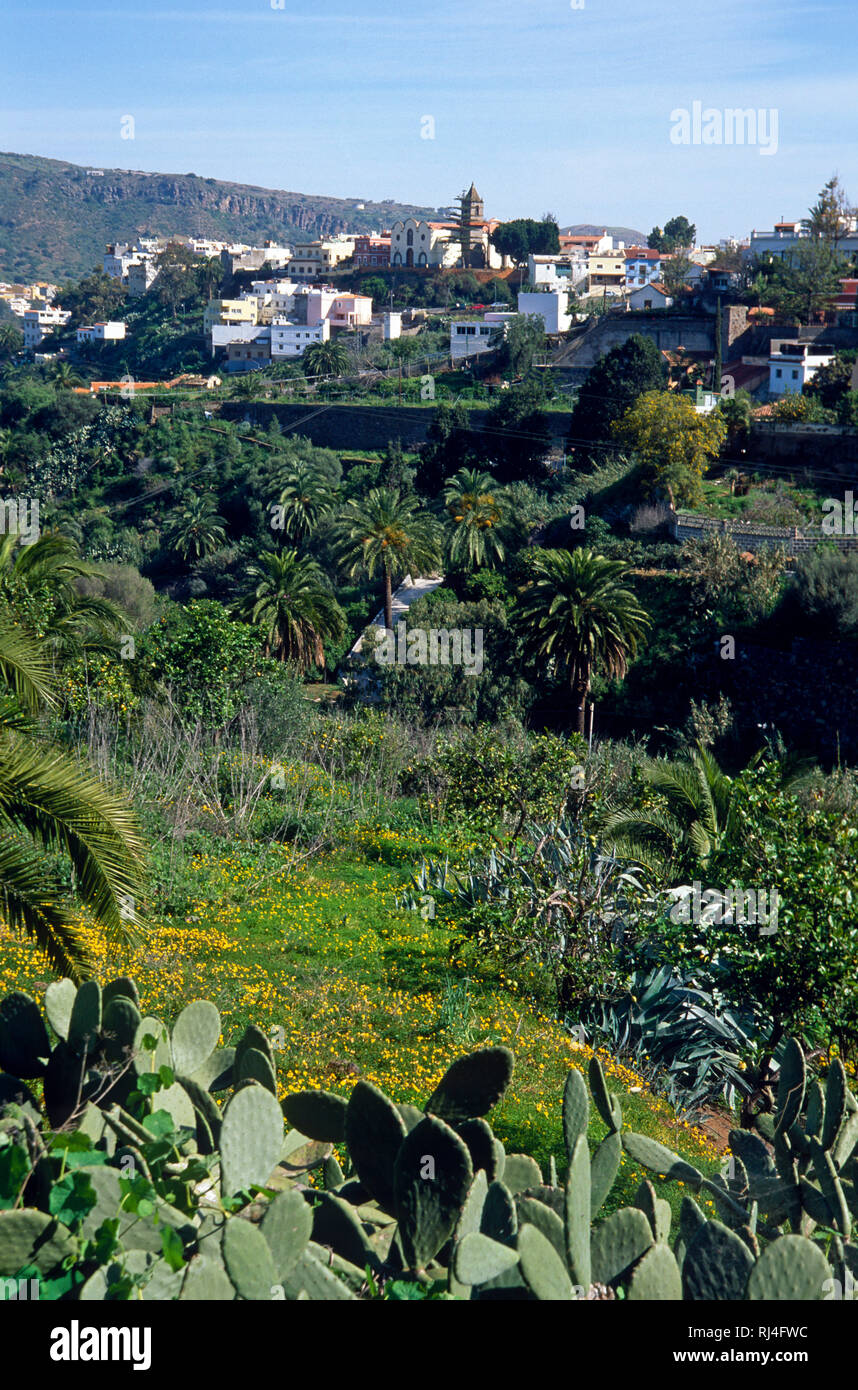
x: 223, y: 334
x: 38, y: 323
x: 101, y: 333
x: 792, y: 364
x: 392, y: 326
x: 566, y: 271
x: 414, y: 242
x: 552, y: 306
x: 785, y: 236
x: 652, y: 296
x: 293, y: 339
x: 315, y: 259
x: 141, y: 274
x: 470, y: 337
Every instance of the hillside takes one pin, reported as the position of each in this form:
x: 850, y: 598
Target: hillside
x: 56, y: 218
x: 626, y: 234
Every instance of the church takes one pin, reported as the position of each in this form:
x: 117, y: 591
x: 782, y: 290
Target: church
x: 463, y: 241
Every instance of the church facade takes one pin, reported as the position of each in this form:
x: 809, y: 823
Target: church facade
x: 463, y: 241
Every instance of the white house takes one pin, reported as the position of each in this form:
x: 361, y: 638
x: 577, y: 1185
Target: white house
x: 38, y: 323
x: 101, y: 333
x: 293, y: 339
x: 469, y: 337
x: 792, y: 364
x: 653, y: 296
x: 552, y: 306
x: 222, y: 334
x: 565, y: 271
x: 392, y: 326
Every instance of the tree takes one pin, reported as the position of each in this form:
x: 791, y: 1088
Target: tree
x: 675, y: 272
x: 737, y: 411
x: 386, y: 534
x: 832, y: 381
x: 63, y: 376
x: 306, y: 500
x: 209, y: 275
x: 578, y: 612
x: 675, y: 444
x: 97, y: 298
x: 612, y: 387
x: 803, y: 975
x: 40, y: 586
x: 11, y: 340
x: 805, y: 280
x: 523, y: 339
x: 523, y: 237
x: 293, y: 605
x: 472, y: 503
x: 678, y: 233
x: 178, y: 280
x: 325, y: 359
x: 450, y: 445
x: 831, y: 216
x: 197, y: 530
x: 515, y: 437
x: 690, y: 820
x: 200, y: 659
x: 55, y: 817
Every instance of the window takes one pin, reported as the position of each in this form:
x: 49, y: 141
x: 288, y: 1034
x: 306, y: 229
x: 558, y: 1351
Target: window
x: 778, y: 372
x: 795, y: 376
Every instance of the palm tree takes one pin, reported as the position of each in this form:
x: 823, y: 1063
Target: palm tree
x: 38, y: 583
x: 578, y: 612
x: 306, y: 500
x: 696, y: 816
x: 11, y: 339
x: 387, y: 534
x: 471, y: 499
x: 692, y: 822
x: 51, y: 807
x: 197, y: 530
x: 325, y: 359
x: 64, y: 376
x: 293, y: 604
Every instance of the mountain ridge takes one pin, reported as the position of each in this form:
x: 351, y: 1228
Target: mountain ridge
x: 56, y: 217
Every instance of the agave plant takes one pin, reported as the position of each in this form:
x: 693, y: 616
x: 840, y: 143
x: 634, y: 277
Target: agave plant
x: 679, y: 1035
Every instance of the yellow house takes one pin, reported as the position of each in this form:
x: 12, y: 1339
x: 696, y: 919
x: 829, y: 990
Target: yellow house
x: 606, y: 268
x: 229, y: 311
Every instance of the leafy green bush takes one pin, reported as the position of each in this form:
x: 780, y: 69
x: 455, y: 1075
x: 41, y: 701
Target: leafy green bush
x: 492, y: 777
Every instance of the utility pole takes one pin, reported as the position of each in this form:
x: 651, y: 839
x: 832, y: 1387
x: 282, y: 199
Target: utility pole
x: 400, y: 381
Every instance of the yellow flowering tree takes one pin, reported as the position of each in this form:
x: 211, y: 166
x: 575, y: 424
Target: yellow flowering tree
x: 674, y: 443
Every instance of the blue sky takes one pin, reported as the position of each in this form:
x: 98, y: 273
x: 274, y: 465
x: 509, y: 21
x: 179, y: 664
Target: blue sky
x: 547, y: 106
